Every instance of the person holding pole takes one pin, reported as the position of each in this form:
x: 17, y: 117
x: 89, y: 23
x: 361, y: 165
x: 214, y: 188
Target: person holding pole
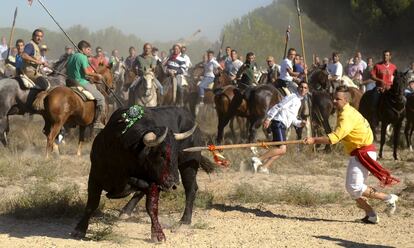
x: 356, y: 135
x: 279, y: 118
x: 31, y: 56
x: 287, y: 75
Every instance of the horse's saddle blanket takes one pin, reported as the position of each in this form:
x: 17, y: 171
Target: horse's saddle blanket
x: 26, y: 83
x: 84, y: 94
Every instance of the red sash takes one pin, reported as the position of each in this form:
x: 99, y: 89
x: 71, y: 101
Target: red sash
x: 373, y: 166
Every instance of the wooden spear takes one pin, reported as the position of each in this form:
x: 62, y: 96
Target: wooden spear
x: 301, y: 36
x: 11, y: 34
x: 234, y: 146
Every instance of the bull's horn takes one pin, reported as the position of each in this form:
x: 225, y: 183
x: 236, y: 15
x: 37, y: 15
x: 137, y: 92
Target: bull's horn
x: 151, y: 139
x: 185, y: 135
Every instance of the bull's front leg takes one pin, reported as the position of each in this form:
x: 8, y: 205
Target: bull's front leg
x: 94, y: 196
x: 153, y: 196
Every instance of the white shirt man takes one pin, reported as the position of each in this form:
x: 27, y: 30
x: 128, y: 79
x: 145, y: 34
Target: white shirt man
x: 208, y: 78
x: 335, y: 68
x: 287, y: 110
x: 284, y: 67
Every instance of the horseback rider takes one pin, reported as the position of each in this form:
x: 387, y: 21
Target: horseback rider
x: 17, y: 61
x: 99, y: 59
x: 273, y: 70
x: 176, y: 66
x: 245, y: 75
x: 233, y: 67
x: 146, y: 61
x: 383, y: 75
x: 130, y: 60
x: 78, y: 72
x: 209, y: 76
x: 335, y: 71
x: 31, y: 56
x: 287, y: 74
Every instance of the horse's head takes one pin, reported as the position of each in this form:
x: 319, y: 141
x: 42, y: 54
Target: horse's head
x: 148, y: 81
x: 399, y: 83
x: 107, y: 77
x: 221, y: 80
x: 319, y: 80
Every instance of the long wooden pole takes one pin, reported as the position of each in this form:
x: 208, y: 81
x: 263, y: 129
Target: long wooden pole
x: 235, y: 146
x: 301, y: 36
x: 73, y: 43
x: 286, y: 41
x: 11, y: 34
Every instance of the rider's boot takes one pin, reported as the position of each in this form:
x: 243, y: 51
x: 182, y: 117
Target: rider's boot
x: 98, y: 117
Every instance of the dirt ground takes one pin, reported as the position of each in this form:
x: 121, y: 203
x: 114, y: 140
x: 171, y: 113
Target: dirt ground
x: 225, y: 223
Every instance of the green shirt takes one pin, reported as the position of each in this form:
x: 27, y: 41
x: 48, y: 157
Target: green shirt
x: 145, y: 63
x: 75, y: 68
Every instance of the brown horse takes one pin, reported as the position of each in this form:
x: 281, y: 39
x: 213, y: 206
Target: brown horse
x: 230, y: 103
x: 62, y: 106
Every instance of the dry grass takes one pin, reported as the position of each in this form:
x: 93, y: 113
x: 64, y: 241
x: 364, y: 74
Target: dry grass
x: 41, y: 200
x: 293, y: 194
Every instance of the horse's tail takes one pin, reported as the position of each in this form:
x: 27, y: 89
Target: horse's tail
x: 38, y: 103
x: 207, y: 165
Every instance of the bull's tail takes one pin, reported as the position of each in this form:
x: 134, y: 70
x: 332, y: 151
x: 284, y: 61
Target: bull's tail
x: 207, y: 165
x: 38, y: 103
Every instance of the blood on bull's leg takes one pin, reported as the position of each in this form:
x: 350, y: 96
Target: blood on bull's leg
x: 153, y: 195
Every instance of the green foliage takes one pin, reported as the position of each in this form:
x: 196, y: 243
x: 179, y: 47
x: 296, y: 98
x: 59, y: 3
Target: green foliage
x: 263, y: 32
x: 368, y: 25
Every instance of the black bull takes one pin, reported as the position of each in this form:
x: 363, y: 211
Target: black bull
x: 123, y: 163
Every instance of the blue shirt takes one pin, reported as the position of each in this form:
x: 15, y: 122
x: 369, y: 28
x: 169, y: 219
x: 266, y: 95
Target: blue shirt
x: 29, y: 49
x: 19, y: 62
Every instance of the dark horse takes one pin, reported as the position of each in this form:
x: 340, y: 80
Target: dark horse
x: 61, y: 106
x: 409, y: 125
x: 390, y: 110
x: 230, y: 103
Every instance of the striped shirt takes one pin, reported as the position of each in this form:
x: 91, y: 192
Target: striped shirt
x: 178, y: 64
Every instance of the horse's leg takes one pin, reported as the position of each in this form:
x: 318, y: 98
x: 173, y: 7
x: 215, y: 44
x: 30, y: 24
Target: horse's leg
x: 81, y: 139
x: 254, y: 124
x: 233, y: 133
x: 223, y: 120
x: 407, y: 131
x: 397, y: 129
x: 51, y: 145
x: 411, y: 134
x: 382, y: 141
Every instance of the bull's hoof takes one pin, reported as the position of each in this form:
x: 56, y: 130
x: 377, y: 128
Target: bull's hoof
x: 158, y: 237
x: 124, y: 216
x: 77, y: 234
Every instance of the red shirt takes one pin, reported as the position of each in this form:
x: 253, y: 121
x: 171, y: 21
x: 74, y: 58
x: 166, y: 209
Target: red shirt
x: 385, y: 72
x: 97, y: 61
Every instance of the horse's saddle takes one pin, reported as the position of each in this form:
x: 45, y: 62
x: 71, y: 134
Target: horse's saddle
x: 25, y: 82
x: 84, y: 94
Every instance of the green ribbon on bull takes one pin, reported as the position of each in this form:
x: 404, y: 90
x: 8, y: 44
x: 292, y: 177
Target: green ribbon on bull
x: 132, y: 115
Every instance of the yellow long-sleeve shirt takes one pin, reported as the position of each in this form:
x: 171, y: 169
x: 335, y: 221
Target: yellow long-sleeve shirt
x: 352, y: 128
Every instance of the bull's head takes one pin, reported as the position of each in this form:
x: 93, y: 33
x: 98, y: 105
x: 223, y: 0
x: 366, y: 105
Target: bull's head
x: 161, y: 155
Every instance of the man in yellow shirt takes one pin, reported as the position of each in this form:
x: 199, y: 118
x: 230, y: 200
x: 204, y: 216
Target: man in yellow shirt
x: 356, y: 135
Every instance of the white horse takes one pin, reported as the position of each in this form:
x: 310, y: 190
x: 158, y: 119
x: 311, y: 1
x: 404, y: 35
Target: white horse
x: 144, y: 92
